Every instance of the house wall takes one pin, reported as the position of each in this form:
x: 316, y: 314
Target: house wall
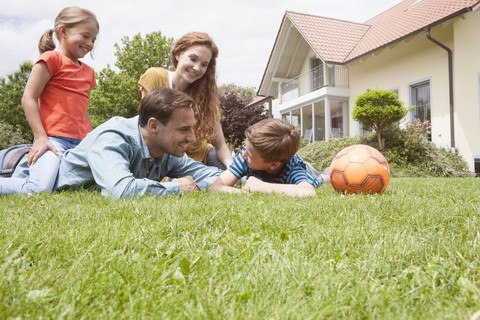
x: 467, y: 86
x: 417, y: 59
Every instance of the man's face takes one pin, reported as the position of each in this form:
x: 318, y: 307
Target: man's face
x: 174, y: 137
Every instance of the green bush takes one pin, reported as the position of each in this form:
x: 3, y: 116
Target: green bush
x: 407, y: 150
x: 10, y: 136
x: 320, y: 154
x: 377, y: 110
x: 11, y: 92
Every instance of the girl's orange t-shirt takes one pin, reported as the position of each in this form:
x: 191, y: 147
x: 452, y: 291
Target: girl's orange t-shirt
x: 64, y: 100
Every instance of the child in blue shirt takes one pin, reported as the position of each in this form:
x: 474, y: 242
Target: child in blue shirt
x: 270, y: 163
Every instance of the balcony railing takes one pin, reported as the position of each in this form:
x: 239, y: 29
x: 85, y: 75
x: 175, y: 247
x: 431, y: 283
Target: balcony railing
x: 336, y: 76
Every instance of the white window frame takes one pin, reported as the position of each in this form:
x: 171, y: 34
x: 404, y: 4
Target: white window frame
x: 410, y: 96
x: 396, y: 90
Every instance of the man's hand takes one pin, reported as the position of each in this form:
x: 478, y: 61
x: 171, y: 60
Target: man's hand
x: 187, y: 184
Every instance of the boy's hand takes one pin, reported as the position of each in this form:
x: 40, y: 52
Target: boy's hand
x: 39, y: 147
x: 187, y: 184
x: 254, y: 184
x: 225, y: 183
x: 303, y: 189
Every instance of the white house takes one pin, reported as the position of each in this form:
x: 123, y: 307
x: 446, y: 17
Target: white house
x: 428, y: 51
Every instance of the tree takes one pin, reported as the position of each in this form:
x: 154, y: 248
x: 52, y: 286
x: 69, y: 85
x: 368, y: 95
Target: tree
x: 378, y: 109
x: 117, y: 93
x: 235, y: 116
x: 244, y: 93
x: 11, y: 109
x: 135, y: 56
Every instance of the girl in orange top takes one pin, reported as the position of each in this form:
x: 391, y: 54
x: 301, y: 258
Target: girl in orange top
x: 56, y: 97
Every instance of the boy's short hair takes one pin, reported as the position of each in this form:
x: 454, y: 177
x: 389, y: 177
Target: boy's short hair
x: 274, y: 139
x: 160, y: 103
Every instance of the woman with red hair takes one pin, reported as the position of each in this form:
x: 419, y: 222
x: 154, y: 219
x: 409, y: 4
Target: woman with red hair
x: 194, y: 58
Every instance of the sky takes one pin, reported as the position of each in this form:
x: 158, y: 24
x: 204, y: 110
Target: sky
x: 244, y: 30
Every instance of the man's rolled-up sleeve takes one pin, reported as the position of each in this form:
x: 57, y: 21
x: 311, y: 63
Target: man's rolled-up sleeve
x: 203, y: 175
x: 111, y: 162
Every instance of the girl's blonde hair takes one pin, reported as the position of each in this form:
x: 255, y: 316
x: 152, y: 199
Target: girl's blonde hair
x: 204, y: 90
x: 68, y: 17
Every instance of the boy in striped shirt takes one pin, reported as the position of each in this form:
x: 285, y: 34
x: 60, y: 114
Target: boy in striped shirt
x: 270, y: 163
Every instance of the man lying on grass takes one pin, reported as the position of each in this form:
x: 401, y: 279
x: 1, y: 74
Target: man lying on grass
x: 128, y: 157
x: 270, y: 163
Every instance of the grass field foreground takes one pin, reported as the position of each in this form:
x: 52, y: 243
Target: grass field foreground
x: 411, y: 253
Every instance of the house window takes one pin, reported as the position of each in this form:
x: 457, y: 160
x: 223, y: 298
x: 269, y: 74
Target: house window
x: 307, y: 123
x: 477, y: 166
x: 286, y: 117
x: 337, y: 118
x: 319, y: 111
x: 421, y: 100
x: 316, y: 122
x: 319, y: 122
x: 295, y: 119
x: 420, y: 94
x: 317, y: 74
x: 331, y: 75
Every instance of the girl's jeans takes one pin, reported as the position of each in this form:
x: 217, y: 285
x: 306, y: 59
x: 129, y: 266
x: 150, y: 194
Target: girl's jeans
x: 43, y: 173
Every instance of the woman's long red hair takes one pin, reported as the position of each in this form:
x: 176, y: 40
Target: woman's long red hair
x: 204, y: 90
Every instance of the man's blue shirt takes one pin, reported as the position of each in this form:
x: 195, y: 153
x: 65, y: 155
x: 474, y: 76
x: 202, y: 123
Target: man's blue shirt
x: 115, y: 158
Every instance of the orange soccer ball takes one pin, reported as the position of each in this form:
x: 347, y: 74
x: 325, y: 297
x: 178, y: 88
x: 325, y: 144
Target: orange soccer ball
x: 359, y: 169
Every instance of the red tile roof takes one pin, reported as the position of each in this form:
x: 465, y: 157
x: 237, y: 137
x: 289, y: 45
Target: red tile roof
x: 340, y: 41
x: 258, y: 99
x: 331, y: 39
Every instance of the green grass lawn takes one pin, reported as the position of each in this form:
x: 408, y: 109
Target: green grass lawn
x: 411, y: 253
